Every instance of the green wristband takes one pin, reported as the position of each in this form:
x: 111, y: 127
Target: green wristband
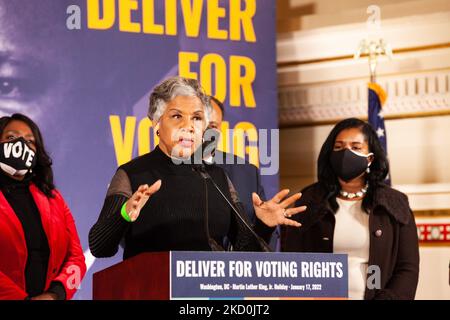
x: 124, y: 213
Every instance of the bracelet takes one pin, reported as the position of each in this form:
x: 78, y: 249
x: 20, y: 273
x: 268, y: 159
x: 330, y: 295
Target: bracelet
x: 124, y: 213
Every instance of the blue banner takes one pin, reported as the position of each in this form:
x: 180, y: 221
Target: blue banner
x: 83, y: 70
x: 241, y: 275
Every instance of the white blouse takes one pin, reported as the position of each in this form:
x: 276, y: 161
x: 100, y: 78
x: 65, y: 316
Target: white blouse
x: 352, y: 237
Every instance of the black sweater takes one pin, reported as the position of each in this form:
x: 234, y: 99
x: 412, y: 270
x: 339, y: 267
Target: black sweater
x: 174, y: 217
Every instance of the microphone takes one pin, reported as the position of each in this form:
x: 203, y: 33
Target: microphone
x: 206, y: 176
x: 206, y: 150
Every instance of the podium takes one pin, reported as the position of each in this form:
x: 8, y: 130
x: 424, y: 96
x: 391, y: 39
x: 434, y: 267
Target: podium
x: 142, y: 277
x: 224, y: 275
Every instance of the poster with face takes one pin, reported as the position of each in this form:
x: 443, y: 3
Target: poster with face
x: 84, y: 70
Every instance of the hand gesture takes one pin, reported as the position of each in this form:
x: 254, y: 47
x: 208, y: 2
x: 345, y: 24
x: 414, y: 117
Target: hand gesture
x: 140, y: 198
x: 274, y: 212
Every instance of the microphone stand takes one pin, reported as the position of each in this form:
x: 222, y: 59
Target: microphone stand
x: 212, y: 243
x: 205, y: 175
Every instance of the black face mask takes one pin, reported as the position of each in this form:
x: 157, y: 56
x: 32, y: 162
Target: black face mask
x: 16, y: 157
x: 348, y: 164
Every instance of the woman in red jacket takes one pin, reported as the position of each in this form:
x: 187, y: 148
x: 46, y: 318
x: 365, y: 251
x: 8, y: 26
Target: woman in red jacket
x: 40, y: 252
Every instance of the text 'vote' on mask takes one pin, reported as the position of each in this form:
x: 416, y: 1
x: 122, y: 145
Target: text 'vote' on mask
x: 16, y: 157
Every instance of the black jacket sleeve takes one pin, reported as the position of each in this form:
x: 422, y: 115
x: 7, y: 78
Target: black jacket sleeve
x: 108, y: 231
x: 403, y: 283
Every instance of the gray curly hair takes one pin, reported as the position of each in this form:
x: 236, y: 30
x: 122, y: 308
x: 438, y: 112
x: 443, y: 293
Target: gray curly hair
x: 171, y: 88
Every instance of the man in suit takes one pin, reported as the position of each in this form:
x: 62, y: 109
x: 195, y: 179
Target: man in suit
x: 244, y: 175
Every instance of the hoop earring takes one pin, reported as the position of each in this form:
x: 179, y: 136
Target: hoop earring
x: 157, y: 133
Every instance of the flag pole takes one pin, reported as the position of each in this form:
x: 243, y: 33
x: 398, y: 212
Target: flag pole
x: 374, y: 49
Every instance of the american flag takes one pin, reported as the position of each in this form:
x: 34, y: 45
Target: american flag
x: 377, y: 97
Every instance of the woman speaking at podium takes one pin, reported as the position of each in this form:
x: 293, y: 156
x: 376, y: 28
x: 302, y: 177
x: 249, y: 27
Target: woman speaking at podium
x: 157, y: 202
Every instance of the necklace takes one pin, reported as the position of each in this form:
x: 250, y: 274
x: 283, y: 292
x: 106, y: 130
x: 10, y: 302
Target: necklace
x: 351, y: 195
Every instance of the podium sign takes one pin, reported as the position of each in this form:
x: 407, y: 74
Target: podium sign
x: 243, y: 275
